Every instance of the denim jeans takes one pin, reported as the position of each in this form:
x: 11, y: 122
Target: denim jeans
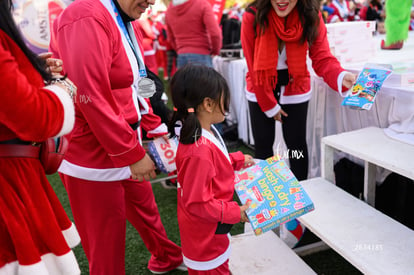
x: 194, y: 58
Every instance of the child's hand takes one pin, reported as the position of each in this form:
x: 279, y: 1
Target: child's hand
x: 243, y: 208
x: 248, y: 161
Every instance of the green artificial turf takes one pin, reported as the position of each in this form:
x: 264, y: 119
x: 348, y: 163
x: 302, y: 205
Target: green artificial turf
x: 137, y: 256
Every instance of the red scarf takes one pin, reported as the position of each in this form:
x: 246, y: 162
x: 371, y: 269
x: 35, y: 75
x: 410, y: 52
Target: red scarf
x: 266, y: 50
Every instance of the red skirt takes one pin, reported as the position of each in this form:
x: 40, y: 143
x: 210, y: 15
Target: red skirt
x: 36, y: 235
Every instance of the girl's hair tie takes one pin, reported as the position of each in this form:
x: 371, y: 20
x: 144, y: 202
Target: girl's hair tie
x: 175, y: 109
x: 190, y: 110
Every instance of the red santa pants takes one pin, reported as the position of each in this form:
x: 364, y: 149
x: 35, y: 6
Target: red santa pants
x: 100, y: 211
x: 220, y: 270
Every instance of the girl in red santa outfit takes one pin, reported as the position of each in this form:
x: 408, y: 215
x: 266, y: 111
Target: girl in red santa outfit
x: 36, y: 235
x: 205, y: 207
x: 277, y: 36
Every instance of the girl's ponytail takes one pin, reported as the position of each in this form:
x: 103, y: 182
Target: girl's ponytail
x: 189, y: 87
x: 191, y: 130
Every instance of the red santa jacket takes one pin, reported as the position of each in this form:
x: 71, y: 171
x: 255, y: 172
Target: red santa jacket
x: 103, y: 144
x: 323, y: 63
x: 35, y: 232
x: 39, y: 102
x: 205, y: 198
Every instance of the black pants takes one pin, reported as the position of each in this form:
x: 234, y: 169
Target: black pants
x: 171, y: 60
x: 294, y: 134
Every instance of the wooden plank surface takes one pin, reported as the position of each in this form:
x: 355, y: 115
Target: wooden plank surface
x: 371, y: 241
x: 265, y: 254
x: 373, y: 145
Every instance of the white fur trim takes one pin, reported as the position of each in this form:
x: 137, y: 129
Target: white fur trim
x: 161, y: 48
x: 71, y: 236
x: 131, y: 56
x: 334, y: 19
x: 272, y: 112
x: 178, y: 2
x: 144, y: 105
x: 130, y: 53
x: 207, y: 265
x: 10, y: 268
x: 293, y: 99
x: 50, y: 264
x: 68, y: 109
x: 250, y: 96
x: 340, y: 80
x: 217, y: 140
x: 150, y: 52
x: 94, y: 174
x: 159, y: 130
x: 342, y: 8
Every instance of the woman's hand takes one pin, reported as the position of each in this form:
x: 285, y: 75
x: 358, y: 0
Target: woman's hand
x: 279, y: 115
x: 349, y: 80
x: 53, y: 65
x: 143, y: 169
x: 243, y: 208
x: 248, y: 161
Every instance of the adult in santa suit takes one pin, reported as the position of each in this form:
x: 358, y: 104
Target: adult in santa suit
x: 106, y: 169
x: 278, y: 81
x: 36, y: 235
x: 343, y: 10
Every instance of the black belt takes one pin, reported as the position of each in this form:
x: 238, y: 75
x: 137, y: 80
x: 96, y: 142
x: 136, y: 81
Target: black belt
x: 135, y: 125
x: 15, y: 141
x: 223, y: 228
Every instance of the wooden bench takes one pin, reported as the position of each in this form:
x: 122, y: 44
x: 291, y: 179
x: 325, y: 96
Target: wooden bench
x: 376, y: 149
x: 371, y: 241
x: 265, y: 254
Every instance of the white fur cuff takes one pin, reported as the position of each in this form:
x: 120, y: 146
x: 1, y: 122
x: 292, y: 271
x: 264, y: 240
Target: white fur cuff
x: 68, y: 107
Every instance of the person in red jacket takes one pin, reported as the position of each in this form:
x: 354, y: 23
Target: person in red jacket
x: 106, y: 169
x: 205, y: 207
x: 278, y: 80
x: 36, y: 235
x: 193, y: 31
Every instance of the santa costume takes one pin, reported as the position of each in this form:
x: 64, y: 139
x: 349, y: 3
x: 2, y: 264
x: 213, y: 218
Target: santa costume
x: 106, y: 138
x: 205, y: 200
x: 36, y: 236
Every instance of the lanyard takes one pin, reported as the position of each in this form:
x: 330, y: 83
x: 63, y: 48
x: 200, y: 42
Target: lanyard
x: 138, y: 55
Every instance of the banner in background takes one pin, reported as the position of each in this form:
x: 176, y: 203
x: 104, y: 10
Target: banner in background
x: 34, y: 19
x: 218, y: 6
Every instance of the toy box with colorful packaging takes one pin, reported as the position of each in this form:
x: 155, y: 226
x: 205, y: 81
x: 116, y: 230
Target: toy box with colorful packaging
x: 276, y: 195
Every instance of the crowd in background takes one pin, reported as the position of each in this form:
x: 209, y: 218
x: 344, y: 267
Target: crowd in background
x: 160, y: 54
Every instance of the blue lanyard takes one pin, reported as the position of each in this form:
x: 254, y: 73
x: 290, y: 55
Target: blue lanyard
x: 138, y: 55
